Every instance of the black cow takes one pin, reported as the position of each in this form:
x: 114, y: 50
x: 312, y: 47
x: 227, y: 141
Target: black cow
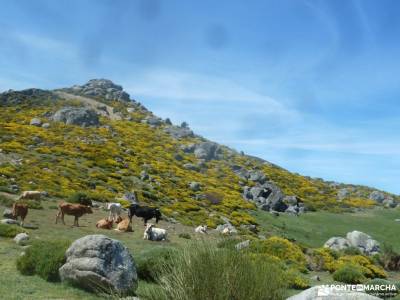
x: 144, y: 212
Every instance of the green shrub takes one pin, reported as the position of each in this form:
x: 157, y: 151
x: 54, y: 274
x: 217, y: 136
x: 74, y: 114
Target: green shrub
x: 381, y: 293
x: 80, y: 198
x: 202, y: 271
x: 185, y: 235
x: 349, y: 274
x: 9, y: 230
x: 43, y: 258
x: 148, y: 262
x: 6, y: 201
x: 32, y: 204
x: 352, y: 251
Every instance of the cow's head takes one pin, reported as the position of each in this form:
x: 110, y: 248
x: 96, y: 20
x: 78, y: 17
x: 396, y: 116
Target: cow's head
x: 119, y: 219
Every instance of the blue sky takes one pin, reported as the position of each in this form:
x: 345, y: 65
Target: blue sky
x: 313, y: 86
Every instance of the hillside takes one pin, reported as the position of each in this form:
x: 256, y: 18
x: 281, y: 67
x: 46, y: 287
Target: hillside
x: 96, y: 139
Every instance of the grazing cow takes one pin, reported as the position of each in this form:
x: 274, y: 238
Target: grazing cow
x: 20, y: 210
x: 115, y: 210
x: 144, y: 212
x: 124, y: 226
x: 28, y: 195
x: 152, y: 233
x: 105, y: 223
x: 76, y: 210
x: 201, y: 229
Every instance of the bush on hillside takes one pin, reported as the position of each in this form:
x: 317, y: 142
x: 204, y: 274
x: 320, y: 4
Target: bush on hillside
x: 148, y: 262
x: 80, y: 198
x: 349, y: 274
x: 381, y: 293
x: 200, y: 271
x: 185, y: 235
x: 352, y: 251
x: 43, y: 258
x: 9, y: 231
x: 6, y: 201
x: 282, y: 249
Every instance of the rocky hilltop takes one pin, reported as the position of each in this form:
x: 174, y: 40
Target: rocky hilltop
x: 96, y: 139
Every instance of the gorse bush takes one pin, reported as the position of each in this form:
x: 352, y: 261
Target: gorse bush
x: 43, y: 258
x: 349, y: 274
x: 80, y: 198
x: 185, y: 235
x: 200, y: 271
x: 9, y: 230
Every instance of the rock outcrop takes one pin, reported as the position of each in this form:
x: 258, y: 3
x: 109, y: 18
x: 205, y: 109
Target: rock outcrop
x: 357, y: 239
x: 77, y: 116
x: 100, y: 88
x: 97, y: 262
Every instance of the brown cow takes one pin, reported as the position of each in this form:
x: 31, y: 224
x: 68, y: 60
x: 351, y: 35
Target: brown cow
x: 124, y: 225
x: 20, y: 210
x: 105, y: 223
x: 119, y: 219
x: 76, y: 210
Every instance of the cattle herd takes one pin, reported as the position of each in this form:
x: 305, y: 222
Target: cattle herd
x: 20, y: 210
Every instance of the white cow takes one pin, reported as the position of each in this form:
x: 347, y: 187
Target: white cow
x: 35, y: 195
x: 201, y: 229
x: 115, y: 211
x: 152, y: 233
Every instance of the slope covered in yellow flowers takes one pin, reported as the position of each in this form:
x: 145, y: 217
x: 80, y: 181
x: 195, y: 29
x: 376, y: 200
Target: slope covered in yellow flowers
x: 107, y: 161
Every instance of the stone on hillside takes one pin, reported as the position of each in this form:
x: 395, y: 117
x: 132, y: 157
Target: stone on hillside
x: 9, y: 221
x: 188, y: 148
x: 377, y: 196
x: 98, y: 262
x: 101, y: 88
x: 21, y: 238
x: 77, y: 116
x: 152, y: 121
x: 320, y: 292
x: 46, y: 125
x: 266, y: 196
x: 8, y: 213
x: 35, y: 122
x: 389, y: 203
x: 337, y: 243
x: 226, y: 228
x: 179, y: 132
x: 207, y: 151
x: 194, y: 186
x: 342, y: 193
x: 190, y: 166
x: 257, y: 176
x: 130, y: 109
x: 242, y: 245
x: 364, y: 242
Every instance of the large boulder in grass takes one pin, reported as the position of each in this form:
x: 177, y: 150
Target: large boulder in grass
x: 337, y: 243
x: 77, y: 116
x: 331, y: 293
x: 99, y: 263
x: 364, y: 242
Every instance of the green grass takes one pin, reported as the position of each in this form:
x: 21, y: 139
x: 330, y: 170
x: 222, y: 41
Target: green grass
x: 315, y: 228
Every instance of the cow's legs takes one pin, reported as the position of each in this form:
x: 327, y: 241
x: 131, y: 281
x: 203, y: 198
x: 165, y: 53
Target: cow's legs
x: 76, y: 222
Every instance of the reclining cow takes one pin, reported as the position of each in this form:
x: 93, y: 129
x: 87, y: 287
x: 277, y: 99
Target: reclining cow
x: 19, y: 210
x: 152, y: 233
x: 144, y: 212
x: 76, y: 210
x: 105, y: 223
x: 124, y: 226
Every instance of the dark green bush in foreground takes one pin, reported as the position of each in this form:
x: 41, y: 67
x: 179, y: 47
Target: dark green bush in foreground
x: 148, y: 262
x: 203, y: 271
x: 43, y: 258
x: 349, y: 274
x: 9, y: 230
